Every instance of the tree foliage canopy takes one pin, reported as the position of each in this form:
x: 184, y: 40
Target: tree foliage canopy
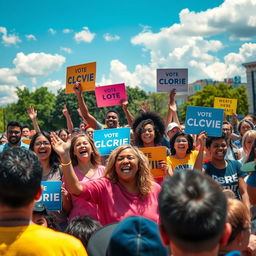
x: 205, y: 98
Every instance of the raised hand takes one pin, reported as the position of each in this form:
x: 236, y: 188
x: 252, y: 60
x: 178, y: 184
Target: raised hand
x: 32, y: 113
x: 59, y: 146
x: 77, y: 88
x: 65, y: 110
x: 202, y: 139
x: 144, y: 107
x: 124, y: 104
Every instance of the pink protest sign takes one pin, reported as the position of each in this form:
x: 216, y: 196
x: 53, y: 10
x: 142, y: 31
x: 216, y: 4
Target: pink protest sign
x: 110, y: 95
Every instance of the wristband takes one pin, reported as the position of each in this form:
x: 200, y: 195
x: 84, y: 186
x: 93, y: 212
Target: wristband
x: 65, y: 164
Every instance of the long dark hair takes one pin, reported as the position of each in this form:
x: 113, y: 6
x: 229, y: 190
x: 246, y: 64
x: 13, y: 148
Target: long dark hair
x: 54, y: 158
x: 252, y: 154
x: 148, y: 118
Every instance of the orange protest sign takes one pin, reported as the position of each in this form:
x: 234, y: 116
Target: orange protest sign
x: 229, y: 105
x: 84, y: 73
x: 154, y: 155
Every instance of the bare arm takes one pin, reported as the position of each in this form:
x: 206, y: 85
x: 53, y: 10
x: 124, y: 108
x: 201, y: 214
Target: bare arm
x: 66, y: 200
x: 62, y: 149
x: 252, y: 194
x: 199, y: 159
x: 83, y: 107
x: 243, y: 192
x: 65, y: 112
x: 80, y: 114
x: 32, y: 113
x: 128, y: 115
x: 172, y: 110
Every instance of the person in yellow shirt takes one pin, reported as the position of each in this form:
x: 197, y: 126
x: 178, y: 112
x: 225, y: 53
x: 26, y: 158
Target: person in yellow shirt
x: 183, y: 156
x: 20, y: 179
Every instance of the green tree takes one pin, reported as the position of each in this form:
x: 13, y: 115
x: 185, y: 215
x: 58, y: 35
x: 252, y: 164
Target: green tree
x: 159, y: 102
x: 205, y: 98
x: 41, y: 99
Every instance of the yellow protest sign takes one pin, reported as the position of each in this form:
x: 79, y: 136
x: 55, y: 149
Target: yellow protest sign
x: 84, y: 73
x: 154, y: 155
x: 229, y: 105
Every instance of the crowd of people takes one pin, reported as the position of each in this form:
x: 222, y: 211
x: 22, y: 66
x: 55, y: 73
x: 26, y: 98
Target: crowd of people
x: 204, y: 204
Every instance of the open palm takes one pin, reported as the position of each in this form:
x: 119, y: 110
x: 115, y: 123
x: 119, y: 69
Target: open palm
x: 60, y: 147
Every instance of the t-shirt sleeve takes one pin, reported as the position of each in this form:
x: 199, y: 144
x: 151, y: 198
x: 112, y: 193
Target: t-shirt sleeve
x: 251, y: 181
x: 93, y: 190
x: 238, y: 167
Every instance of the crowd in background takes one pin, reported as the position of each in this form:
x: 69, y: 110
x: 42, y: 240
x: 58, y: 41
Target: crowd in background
x: 100, y: 191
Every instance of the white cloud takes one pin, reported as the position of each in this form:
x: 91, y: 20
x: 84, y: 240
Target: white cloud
x: 8, y: 76
x: 38, y: 64
x: 8, y: 94
x: 108, y: 37
x: 30, y: 37
x: 67, y: 31
x: 84, y: 36
x: 142, y: 77
x: 65, y: 49
x: 52, y: 31
x: 190, y: 44
x: 54, y: 85
x: 9, y: 39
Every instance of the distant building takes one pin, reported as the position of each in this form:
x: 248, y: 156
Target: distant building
x: 251, y: 89
x: 200, y: 84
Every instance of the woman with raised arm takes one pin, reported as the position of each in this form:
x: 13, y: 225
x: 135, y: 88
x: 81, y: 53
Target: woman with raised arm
x: 127, y: 189
x: 183, y: 156
x: 41, y: 145
x: 226, y: 172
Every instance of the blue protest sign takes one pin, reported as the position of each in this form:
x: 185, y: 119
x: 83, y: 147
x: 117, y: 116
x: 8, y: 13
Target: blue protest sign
x: 108, y: 139
x: 51, y: 195
x: 200, y: 119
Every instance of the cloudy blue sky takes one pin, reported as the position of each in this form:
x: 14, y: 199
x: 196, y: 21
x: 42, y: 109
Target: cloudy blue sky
x: 129, y: 40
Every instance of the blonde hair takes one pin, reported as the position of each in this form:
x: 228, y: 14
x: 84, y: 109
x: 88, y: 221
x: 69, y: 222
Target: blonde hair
x: 248, y: 134
x: 144, y: 179
x: 238, y: 216
x: 95, y: 155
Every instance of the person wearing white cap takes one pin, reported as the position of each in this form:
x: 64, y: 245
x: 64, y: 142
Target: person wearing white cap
x: 172, y: 129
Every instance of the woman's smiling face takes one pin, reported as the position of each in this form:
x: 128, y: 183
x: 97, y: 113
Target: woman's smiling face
x: 218, y: 149
x: 181, y: 144
x: 42, y: 147
x: 126, y: 165
x: 148, y: 134
x: 82, y: 149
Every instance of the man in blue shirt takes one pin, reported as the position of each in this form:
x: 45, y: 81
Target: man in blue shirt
x: 13, y: 136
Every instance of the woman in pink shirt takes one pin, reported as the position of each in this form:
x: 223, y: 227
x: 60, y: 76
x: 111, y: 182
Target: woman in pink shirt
x: 127, y: 189
x: 86, y: 161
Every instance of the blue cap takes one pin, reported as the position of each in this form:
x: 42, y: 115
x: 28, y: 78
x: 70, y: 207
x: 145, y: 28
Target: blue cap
x: 136, y: 236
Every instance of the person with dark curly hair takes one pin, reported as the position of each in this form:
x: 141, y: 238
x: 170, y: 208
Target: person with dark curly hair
x: 148, y: 129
